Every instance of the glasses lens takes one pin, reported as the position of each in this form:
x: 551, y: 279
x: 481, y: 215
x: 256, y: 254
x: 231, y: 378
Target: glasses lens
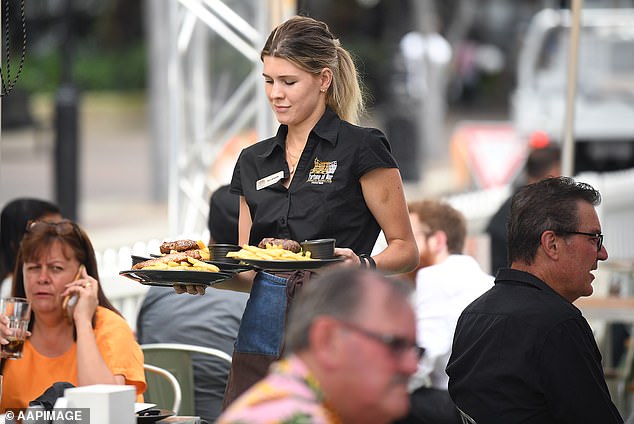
x: 400, y: 347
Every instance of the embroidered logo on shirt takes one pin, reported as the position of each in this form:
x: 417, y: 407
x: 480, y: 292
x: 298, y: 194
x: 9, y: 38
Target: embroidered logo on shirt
x: 322, y: 172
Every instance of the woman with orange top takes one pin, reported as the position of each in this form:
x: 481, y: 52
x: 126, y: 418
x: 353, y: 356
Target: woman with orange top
x: 88, y: 344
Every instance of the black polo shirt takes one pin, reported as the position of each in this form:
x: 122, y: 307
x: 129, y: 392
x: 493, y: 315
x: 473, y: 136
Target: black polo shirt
x: 524, y: 354
x: 324, y: 199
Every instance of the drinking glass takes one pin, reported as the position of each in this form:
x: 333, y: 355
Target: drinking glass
x: 18, y: 310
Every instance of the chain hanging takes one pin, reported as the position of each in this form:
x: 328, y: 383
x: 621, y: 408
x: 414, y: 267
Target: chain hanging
x: 8, y: 84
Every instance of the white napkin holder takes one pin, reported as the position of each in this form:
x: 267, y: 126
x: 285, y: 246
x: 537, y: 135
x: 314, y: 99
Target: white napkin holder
x: 108, y: 403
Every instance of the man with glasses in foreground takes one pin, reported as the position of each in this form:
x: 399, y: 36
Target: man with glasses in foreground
x: 522, y: 352
x: 351, y: 348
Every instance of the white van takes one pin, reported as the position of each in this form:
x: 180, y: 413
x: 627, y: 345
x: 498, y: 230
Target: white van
x: 604, y: 114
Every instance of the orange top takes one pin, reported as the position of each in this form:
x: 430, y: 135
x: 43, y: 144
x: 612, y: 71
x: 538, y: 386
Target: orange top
x: 27, y: 378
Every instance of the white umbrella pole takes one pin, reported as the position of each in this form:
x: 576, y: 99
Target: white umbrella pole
x: 568, y: 146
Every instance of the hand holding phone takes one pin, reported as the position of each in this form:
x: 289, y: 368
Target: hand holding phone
x: 69, y: 302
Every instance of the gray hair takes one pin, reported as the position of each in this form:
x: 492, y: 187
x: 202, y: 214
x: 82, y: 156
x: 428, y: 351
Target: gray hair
x: 338, y: 294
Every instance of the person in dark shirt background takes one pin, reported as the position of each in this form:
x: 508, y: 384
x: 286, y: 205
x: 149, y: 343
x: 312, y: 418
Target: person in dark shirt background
x: 544, y: 160
x: 224, y: 208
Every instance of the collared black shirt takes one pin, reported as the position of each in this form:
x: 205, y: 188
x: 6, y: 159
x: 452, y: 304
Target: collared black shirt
x: 524, y: 354
x: 324, y: 199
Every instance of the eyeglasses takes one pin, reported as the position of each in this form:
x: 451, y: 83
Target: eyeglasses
x: 398, y: 346
x: 597, y: 236
x: 62, y: 227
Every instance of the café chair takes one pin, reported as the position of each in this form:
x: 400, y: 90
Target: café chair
x: 466, y: 419
x: 162, y: 388
x: 177, y: 359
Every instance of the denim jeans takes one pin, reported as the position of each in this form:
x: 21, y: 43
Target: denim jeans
x: 262, y: 326
x: 261, y: 335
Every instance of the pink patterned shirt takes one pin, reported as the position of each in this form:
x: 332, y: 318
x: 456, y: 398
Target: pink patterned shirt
x: 290, y: 394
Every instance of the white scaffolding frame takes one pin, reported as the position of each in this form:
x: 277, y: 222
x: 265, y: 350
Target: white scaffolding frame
x: 190, y: 124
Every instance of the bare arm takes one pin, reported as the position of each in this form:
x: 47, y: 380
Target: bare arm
x: 91, y: 366
x: 244, y: 222
x: 243, y: 280
x: 384, y: 195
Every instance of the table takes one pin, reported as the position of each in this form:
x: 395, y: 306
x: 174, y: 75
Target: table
x: 613, y: 309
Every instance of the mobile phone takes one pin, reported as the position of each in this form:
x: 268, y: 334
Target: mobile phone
x: 69, y: 306
x: 70, y: 301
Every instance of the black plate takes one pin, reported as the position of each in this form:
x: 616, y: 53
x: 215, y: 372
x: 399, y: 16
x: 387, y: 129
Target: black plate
x: 291, y: 265
x: 230, y: 266
x: 161, y: 277
x: 159, y: 415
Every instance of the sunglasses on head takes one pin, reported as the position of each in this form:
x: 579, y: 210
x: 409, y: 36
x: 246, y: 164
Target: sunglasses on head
x: 61, y: 228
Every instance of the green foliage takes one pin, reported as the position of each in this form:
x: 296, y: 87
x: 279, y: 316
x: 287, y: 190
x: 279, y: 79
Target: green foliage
x: 113, y: 70
x: 92, y: 69
x: 38, y: 74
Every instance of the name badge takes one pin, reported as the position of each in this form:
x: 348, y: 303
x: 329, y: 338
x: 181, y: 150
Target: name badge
x: 270, y: 180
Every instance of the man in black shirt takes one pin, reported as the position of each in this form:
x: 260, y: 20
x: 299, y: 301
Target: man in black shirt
x: 522, y: 352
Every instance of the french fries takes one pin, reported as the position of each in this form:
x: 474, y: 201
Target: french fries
x: 271, y: 253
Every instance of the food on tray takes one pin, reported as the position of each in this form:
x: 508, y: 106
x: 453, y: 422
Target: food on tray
x: 285, y: 244
x: 188, y: 247
x: 177, y: 261
x: 181, y: 246
x: 180, y: 254
x: 271, y: 252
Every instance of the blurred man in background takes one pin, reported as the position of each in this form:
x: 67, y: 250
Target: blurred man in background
x: 446, y: 282
x: 544, y: 160
x: 350, y: 349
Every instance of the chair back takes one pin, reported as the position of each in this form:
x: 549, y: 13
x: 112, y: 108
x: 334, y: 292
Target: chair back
x: 466, y: 419
x: 176, y: 358
x: 162, y: 388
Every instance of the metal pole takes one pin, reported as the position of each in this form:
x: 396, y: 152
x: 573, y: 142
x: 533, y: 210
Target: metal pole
x: 157, y: 19
x: 1, y: 139
x: 568, y: 146
x: 67, y: 128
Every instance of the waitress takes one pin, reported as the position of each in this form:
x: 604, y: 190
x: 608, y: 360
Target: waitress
x: 320, y: 176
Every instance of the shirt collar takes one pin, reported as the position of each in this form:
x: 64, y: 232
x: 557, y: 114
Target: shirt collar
x: 326, y: 128
x: 514, y: 276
